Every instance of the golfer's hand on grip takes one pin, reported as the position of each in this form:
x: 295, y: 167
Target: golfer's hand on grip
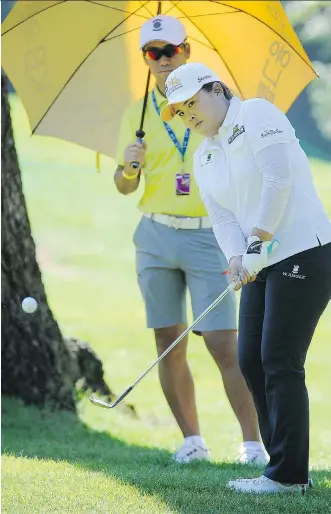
x: 256, y: 256
x: 239, y: 274
x: 135, y: 152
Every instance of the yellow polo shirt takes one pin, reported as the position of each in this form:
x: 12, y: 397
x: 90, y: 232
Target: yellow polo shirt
x: 162, y: 161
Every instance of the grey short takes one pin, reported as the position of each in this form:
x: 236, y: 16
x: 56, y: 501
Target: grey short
x: 168, y: 260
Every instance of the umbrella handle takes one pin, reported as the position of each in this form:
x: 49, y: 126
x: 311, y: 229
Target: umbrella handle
x: 140, y: 135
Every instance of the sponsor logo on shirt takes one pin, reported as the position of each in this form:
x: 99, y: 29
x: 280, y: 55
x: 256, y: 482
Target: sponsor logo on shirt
x: 271, y: 132
x: 294, y: 273
x: 236, y: 132
x: 207, y: 160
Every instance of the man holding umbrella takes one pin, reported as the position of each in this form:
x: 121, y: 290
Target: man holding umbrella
x: 174, y: 241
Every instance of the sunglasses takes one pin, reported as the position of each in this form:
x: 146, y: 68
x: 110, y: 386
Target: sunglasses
x: 154, y: 54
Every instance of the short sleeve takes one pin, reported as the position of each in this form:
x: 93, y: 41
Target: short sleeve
x: 266, y: 125
x: 127, y: 134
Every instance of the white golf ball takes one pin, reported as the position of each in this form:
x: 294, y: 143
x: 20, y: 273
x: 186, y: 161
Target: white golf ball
x: 29, y: 305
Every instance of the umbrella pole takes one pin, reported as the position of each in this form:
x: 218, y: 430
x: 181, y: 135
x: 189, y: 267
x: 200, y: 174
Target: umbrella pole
x: 140, y: 134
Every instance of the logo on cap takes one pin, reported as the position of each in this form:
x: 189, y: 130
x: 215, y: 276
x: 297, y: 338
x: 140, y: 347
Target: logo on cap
x: 175, y: 81
x: 157, y: 25
x: 172, y: 85
x: 201, y: 79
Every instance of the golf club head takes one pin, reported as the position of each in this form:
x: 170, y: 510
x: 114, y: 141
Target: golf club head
x: 101, y: 403
x: 106, y: 405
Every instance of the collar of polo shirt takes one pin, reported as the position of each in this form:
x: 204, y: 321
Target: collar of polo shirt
x: 160, y: 99
x: 230, y: 117
x: 233, y: 110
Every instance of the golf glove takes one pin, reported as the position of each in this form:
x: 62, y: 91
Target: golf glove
x: 256, y: 256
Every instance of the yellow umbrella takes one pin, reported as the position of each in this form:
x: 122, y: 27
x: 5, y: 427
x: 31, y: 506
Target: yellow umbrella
x: 76, y: 64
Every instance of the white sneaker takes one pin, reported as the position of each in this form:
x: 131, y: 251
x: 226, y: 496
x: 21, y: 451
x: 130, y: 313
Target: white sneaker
x: 194, y: 448
x: 255, y: 455
x: 264, y: 485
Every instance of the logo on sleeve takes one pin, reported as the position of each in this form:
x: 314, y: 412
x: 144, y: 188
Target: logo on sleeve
x: 236, y: 132
x: 271, y: 132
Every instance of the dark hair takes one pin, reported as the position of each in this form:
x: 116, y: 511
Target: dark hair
x: 209, y: 87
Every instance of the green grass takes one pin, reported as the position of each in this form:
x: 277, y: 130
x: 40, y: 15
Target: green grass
x: 57, y: 463
x: 106, y: 462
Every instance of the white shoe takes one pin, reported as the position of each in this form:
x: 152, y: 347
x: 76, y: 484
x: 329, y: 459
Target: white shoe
x: 264, y: 485
x: 194, y: 448
x: 255, y: 455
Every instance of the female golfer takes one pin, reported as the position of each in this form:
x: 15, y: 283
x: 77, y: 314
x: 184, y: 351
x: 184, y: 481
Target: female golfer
x: 256, y: 184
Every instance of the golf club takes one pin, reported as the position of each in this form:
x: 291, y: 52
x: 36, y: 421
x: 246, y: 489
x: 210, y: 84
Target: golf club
x: 107, y: 405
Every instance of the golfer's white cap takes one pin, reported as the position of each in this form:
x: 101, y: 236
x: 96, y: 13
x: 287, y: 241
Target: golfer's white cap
x: 183, y: 83
x: 162, y: 28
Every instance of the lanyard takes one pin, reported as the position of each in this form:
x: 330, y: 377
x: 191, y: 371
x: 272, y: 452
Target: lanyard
x: 181, y: 149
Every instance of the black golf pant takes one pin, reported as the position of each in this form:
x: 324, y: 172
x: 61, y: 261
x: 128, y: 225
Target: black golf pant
x: 278, y: 316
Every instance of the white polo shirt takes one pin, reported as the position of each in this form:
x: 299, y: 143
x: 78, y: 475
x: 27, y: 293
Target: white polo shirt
x: 230, y: 181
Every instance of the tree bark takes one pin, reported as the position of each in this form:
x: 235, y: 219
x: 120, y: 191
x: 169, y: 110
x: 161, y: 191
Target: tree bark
x: 35, y: 360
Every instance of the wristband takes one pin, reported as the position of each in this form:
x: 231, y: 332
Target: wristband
x: 130, y: 177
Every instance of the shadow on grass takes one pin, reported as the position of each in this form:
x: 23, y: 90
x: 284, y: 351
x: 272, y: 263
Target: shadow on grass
x: 195, y: 489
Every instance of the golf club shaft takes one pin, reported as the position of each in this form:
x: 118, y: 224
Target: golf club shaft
x: 195, y: 322
x: 107, y: 405
x: 230, y: 287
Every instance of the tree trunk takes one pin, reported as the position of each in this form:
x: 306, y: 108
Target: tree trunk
x: 38, y: 364
x: 35, y: 360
